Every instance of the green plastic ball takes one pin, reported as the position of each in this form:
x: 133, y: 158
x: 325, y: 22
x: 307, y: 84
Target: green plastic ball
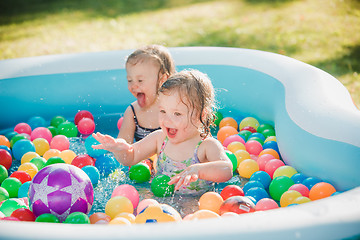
x: 4, y: 195
x: 47, y: 217
x: 12, y: 186
x: 11, y: 205
x: 233, y: 159
x: 54, y: 160
x: 278, y: 186
x: 160, y: 186
x: 245, y: 133
x: 140, y: 173
x: 218, y: 118
x: 68, y: 129
x: 16, y: 138
x: 54, y: 131
x: 57, y: 120
x: 268, y: 133
x: 263, y: 127
x: 77, y: 218
x: 3, y: 173
x: 39, y: 162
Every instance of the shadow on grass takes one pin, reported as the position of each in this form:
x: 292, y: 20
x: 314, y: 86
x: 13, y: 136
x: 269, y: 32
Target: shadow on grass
x: 16, y: 11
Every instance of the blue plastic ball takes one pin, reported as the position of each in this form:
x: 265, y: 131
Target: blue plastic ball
x: 6, y: 148
x: 272, y: 145
x: 262, y: 177
x: 311, y: 181
x: 36, y: 122
x: 91, y: 151
x: 258, y: 135
x: 93, y: 174
x: 257, y: 193
x: 251, y: 184
x: 21, y: 147
x: 298, y: 177
x: 106, y: 164
x: 24, y: 189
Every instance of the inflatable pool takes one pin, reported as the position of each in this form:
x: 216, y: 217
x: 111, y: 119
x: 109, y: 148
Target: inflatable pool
x: 317, y: 127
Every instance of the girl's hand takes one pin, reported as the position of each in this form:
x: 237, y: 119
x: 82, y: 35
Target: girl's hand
x: 190, y: 174
x: 109, y: 143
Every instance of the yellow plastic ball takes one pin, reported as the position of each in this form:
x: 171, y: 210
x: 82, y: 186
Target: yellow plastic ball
x: 67, y: 155
x: 120, y: 221
x: 27, y: 157
x: 118, y: 205
x: 51, y: 153
x: 247, y: 167
x: 301, y: 200
x: 249, y: 122
x: 271, y: 138
x: 289, y: 197
x: 241, y: 155
x: 30, y: 168
x: 128, y: 216
x: 211, y: 201
x: 287, y: 171
x: 234, y: 146
x: 41, y: 145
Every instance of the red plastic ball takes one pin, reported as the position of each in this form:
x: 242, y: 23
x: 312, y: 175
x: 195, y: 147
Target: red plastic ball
x: 230, y: 191
x: 83, y: 160
x: 22, y: 128
x: 24, y: 214
x: 237, y: 204
x: 5, y: 158
x: 22, y: 176
x: 86, y: 126
x: 82, y: 114
x: 250, y: 129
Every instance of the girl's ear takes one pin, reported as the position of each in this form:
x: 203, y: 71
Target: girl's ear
x: 163, y: 77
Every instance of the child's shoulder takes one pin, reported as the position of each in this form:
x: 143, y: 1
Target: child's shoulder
x: 210, y: 142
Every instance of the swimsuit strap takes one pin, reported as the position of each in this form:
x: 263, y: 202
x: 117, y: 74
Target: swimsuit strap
x: 133, y: 110
x: 167, y: 139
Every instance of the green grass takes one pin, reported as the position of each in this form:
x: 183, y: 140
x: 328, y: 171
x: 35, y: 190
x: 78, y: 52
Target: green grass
x: 323, y: 33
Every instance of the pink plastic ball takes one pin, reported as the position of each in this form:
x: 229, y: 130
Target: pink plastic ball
x: 253, y: 147
x: 22, y: 128
x: 233, y: 138
x: 263, y: 160
x: 127, y: 191
x: 266, y: 204
x: 144, y: 203
x: 272, y: 165
x: 301, y: 188
x: 86, y: 126
x: 41, y: 132
x: 119, y: 123
x: 60, y: 142
x: 82, y: 114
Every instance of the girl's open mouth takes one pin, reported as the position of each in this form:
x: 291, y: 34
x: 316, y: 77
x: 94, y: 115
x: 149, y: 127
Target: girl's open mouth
x: 171, y: 132
x: 141, y: 99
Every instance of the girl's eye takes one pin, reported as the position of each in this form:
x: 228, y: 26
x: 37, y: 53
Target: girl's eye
x: 177, y: 114
x: 162, y: 111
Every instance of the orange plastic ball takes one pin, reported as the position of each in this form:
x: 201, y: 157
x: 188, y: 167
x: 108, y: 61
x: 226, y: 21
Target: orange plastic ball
x: 30, y: 168
x: 99, y: 216
x: 204, y: 214
x: 234, y: 146
x: 247, y: 167
x: 120, y: 221
x: 270, y: 151
x: 51, y: 153
x: 228, y: 121
x: 321, y: 190
x: 129, y: 216
x: 225, y: 132
x: 67, y: 155
x: 4, y: 141
x: 289, y: 197
x: 211, y: 201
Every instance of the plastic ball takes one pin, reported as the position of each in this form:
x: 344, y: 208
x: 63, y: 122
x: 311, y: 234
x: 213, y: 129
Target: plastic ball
x: 10, y: 205
x: 57, y: 120
x: 278, y: 186
x: 118, y: 205
x: 262, y: 177
x: 24, y: 214
x: 301, y: 188
x: 27, y: 157
x: 47, y: 217
x: 16, y: 138
x: 12, y: 185
x: 68, y: 129
x: 21, y: 147
x: 218, y: 118
x: 60, y: 142
x: 253, y: 147
x: 4, y: 195
x: 263, y: 160
x: 91, y: 151
x: 233, y: 138
x: 83, y: 160
x: 3, y: 173
x: 41, y: 146
x: 264, y: 126
x: 82, y: 114
x: 77, y: 218
x: 298, y: 177
x: 204, y: 214
x: 237, y: 204
x: 54, y: 131
x: 41, y: 132
x: 145, y: 203
x: 228, y: 121
x: 129, y: 216
x: 120, y: 221
x: 158, y: 213
x: 272, y: 145
x: 270, y: 151
x: 22, y: 128
x: 51, y: 153
x: 67, y: 155
x: 259, y: 140
x: 266, y: 204
x: 119, y: 122
x: 272, y: 165
x: 24, y: 190
x: 245, y: 134
x: 39, y: 162
x: 140, y: 173
x: 86, y: 126
x: 127, y: 191
x: 93, y: 174
x: 211, y: 201
x: 270, y: 138
x: 5, y: 158
x: 269, y: 133
x: 252, y: 184
x: 232, y: 158
x: 160, y: 186
x: 284, y: 171
x: 321, y: 190
x: 249, y: 122
x: 241, y: 155
x: 22, y: 176
x: 54, y: 160
x: 30, y: 168
x: 234, y: 146
x: 61, y: 189
x: 247, y: 167
x: 311, y: 181
x: 257, y: 193
x: 231, y: 190
x: 225, y: 132
x: 301, y: 200
x: 99, y: 216
x: 106, y: 164
x: 36, y: 122
x: 289, y: 197
x: 4, y: 141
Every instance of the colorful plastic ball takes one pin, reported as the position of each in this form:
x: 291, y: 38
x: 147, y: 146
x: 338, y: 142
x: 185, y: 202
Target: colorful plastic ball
x: 106, y: 164
x: 270, y: 151
x: 118, y: 205
x: 120, y: 221
x: 51, y: 153
x: 67, y: 155
x: 245, y: 134
x: 218, y: 118
x: 41, y: 132
x: 211, y: 201
x: 129, y: 216
x: 311, y: 181
x: 237, y: 204
x: 99, y: 217
x: 3, y: 173
x: 266, y: 204
x: 83, y: 160
x: 270, y: 138
x: 233, y: 159
x: 249, y: 122
x: 301, y: 200
x: 271, y: 145
x: 16, y: 138
x: 82, y: 114
x: 247, y: 167
x: 119, y: 122
x: 27, y: 157
x: 22, y: 176
x: 30, y: 168
x: 269, y: 133
x: 47, y: 217
x: 257, y: 193
x: 225, y: 132
x: 203, y: 214
x: 57, y: 120
x: 21, y: 147
x: 252, y: 184
x: 10, y: 205
x: 257, y: 135
x: 301, y: 188
x: 140, y: 173
x: 36, y: 122
x: 68, y: 129
x: 263, y: 160
x: 60, y: 142
x: 39, y: 162
x: 233, y: 138
x: 77, y: 218
x: 289, y: 197
x: 284, y: 171
x: 93, y: 174
x: 256, y: 139
x: 253, y: 147
x: 41, y: 146
x: 234, y: 146
x: 228, y: 121
x: 262, y: 177
x: 54, y: 131
x: 24, y: 214
x: 264, y: 126
x: 61, y: 189
x: 272, y: 165
x: 298, y: 177
x: 24, y: 190
x: 54, y: 160
x: 241, y: 155
x: 160, y: 186
x: 4, y: 141
x: 22, y: 128
x: 91, y: 151
x: 278, y: 186
x: 231, y: 190
x: 321, y: 190
x: 250, y: 129
x: 127, y: 191
x: 12, y: 185
x: 158, y: 213
x: 145, y: 203
x: 5, y: 158
x: 4, y: 195
x: 86, y: 126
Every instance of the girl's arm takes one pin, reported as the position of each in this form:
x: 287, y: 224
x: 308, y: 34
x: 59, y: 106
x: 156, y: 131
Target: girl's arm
x: 127, y: 129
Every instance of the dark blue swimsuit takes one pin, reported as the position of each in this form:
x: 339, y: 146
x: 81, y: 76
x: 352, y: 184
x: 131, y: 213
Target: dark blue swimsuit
x: 141, y: 132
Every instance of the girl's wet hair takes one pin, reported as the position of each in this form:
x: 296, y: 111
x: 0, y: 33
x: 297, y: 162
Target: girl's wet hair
x: 195, y: 89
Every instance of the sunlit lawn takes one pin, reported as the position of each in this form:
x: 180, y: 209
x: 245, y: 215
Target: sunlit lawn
x: 324, y: 33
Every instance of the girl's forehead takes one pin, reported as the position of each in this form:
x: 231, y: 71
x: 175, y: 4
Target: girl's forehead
x: 173, y: 98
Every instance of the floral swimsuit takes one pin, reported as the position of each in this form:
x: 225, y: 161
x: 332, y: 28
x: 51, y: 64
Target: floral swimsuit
x: 169, y: 167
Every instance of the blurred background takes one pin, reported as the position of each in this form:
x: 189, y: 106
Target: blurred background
x: 323, y: 33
